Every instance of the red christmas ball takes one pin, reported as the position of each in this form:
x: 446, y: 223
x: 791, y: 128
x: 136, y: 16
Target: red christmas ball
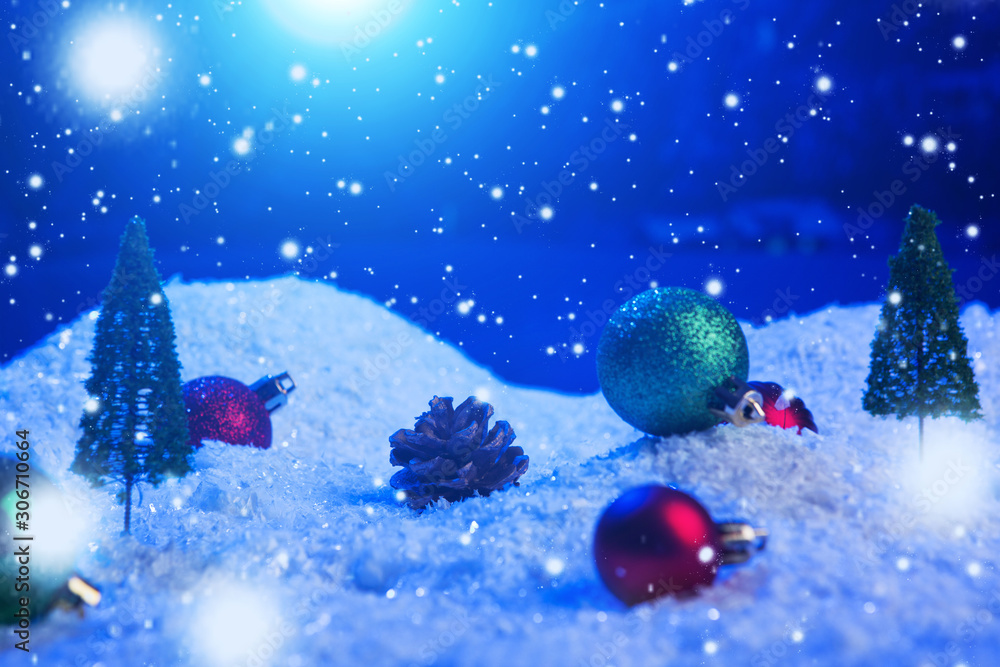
x: 220, y: 408
x: 655, y: 540
x: 780, y: 410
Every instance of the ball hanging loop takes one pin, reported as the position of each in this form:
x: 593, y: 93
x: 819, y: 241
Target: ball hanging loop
x: 742, y: 404
x: 740, y: 541
x: 274, y: 390
x: 77, y: 592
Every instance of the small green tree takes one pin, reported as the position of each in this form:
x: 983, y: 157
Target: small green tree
x: 919, y: 362
x: 134, y: 425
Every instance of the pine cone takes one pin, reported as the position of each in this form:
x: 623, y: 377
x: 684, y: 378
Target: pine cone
x: 450, y: 455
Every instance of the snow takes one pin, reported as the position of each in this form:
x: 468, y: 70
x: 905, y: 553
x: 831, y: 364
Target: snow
x: 301, y: 555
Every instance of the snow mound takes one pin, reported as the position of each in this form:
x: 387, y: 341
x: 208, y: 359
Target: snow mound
x: 301, y: 555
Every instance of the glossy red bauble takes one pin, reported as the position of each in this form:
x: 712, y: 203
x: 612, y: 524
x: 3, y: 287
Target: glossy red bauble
x: 782, y: 410
x: 655, y: 540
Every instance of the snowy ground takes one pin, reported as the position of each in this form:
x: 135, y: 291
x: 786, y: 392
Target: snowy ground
x: 300, y: 555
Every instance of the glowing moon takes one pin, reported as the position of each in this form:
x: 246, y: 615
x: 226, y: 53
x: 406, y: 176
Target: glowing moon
x: 110, y: 57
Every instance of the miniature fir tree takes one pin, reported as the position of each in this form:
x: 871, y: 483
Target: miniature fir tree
x: 135, y: 425
x: 919, y: 362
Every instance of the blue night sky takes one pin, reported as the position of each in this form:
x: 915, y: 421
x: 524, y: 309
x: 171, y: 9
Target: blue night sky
x: 503, y: 173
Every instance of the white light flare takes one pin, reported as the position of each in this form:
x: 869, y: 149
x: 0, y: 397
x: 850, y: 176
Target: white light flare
x: 59, y: 531
x: 233, y: 622
x: 243, y: 144
x: 290, y: 249
x: 350, y: 26
x: 112, y: 57
x: 953, y: 482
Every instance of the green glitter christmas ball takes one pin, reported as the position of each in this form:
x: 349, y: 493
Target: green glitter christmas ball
x: 662, y: 354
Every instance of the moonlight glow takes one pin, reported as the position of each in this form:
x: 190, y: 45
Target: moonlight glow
x: 350, y: 25
x: 111, y: 57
